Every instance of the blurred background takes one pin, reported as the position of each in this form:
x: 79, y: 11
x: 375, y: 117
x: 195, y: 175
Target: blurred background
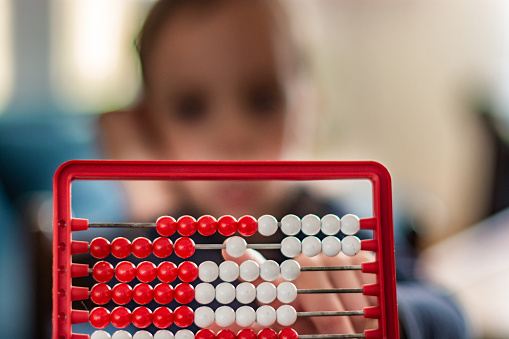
x: 421, y: 86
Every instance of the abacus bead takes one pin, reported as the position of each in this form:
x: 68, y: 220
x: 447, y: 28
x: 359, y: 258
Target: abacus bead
x: 164, y: 334
x: 265, y: 315
x: 146, y: 271
x: 120, y: 247
x: 350, y: 245
x: 245, y: 292
x: 311, y: 224
x: 167, y: 271
x: 267, y: 333
x: 143, y: 293
x: 203, y: 316
x: 100, y: 248
x: 225, y: 316
x: 184, y: 247
x: 121, y: 294
x: 290, y: 269
x: 141, y: 247
x: 286, y: 315
x: 225, y: 334
x: 290, y: 224
x: 247, y: 225
x: 249, y: 270
x: 267, y: 225
x: 143, y: 335
x: 100, y: 294
x: 166, y: 226
x: 236, y: 246
x: 331, y: 224
x: 120, y: 317
x: 204, y: 293
x: 311, y: 246
x: 246, y: 333
x: 103, y: 271
x: 208, y: 271
x: 99, y: 317
x: 121, y: 335
x: 350, y: 224
x: 269, y: 270
x: 184, y: 334
x: 288, y: 333
x: 125, y: 271
x: 331, y: 246
x: 162, y: 247
x: 186, y: 225
x: 206, y: 225
x: 228, y: 271
x: 162, y: 317
x: 187, y: 271
x: 290, y: 247
x: 225, y: 293
x: 266, y: 292
x: 286, y: 292
x: 183, y: 316
x: 184, y: 293
x: 100, y: 335
x: 141, y: 317
x: 227, y: 225
x: 245, y: 316
x: 163, y: 293
x: 204, y: 333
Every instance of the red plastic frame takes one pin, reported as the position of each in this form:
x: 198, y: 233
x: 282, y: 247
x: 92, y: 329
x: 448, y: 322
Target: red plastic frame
x: 383, y: 242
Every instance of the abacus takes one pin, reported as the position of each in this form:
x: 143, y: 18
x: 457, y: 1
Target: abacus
x: 195, y: 280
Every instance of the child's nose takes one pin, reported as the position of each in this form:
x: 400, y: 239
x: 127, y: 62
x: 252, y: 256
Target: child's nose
x: 237, y: 136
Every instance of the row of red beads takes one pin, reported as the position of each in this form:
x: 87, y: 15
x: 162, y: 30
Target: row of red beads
x: 266, y: 333
x: 206, y: 225
x: 142, y: 294
x: 140, y: 247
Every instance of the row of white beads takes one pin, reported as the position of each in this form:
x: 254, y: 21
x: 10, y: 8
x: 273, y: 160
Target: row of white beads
x: 161, y: 334
x: 310, y: 224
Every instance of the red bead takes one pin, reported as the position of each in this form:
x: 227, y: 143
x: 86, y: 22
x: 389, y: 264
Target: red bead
x: 100, y: 294
x: 246, y: 333
x: 205, y: 333
x: 120, y: 248
x: 247, y: 225
x: 146, y: 271
x: 142, y: 317
x: 121, y: 294
x: 184, y: 293
x: 103, y: 271
x: 166, y: 226
x: 225, y: 334
x: 207, y: 225
x: 267, y: 333
x: 143, y: 294
x: 125, y: 271
x: 100, y: 248
x: 188, y: 271
x: 162, y: 317
x: 288, y: 333
x: 99, y: 317
x: 186, y: 225
x: 162, y: 247
x: 183, y: 316
x: 184, y: 247
x: 121, y: 317
x: 167, y: 271
x: 163, y: 293
x: 141, y: 247
x: 227, y: 225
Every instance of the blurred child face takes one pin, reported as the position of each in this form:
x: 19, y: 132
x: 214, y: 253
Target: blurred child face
x: 218, y: 85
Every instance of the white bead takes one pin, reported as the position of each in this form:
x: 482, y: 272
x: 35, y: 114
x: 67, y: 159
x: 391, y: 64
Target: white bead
x: 286, y: 292
x: 331, y: 246
x: 204, y: 293
x: 290, y: 224
x: 122, y: 335
x: 236, y: 246
x: 269, y: 270
x: 351, y: 245
x: 350, y: 224
x: 245, y: 316
x: 228, y: 270
x: 267, y: 225
x: 184, y: 334
x: 225, y: 316
x: 100, y: 335
x: 245, y: 293
x: 143, y: 335
x: 286, y: 315
x: 290, y: 247
x: 311, y: 224
x: 225, y: 293
x: 208, y: 271
x: 311, y: 246
x: 164, y: 334
x: 265, y: 315
x: 203, y: 316
x: 331, y: 224
x: 266, y: 292
x: 249, y: 270
x: 290, y: 269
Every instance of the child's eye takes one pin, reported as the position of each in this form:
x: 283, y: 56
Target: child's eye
x: 190, y: 108
x: 265, y: 100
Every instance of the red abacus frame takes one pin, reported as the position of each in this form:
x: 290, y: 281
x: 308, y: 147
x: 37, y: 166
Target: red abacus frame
x: 64, y: 224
